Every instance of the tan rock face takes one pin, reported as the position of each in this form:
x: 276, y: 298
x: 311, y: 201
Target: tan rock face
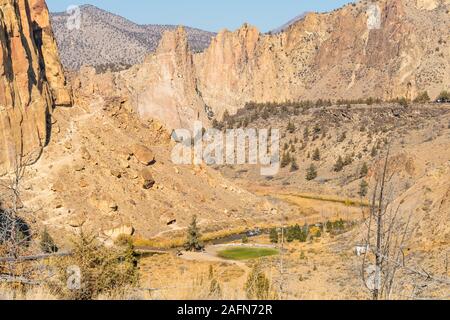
x: 165, y: 86
x: 119, y: 231
x: 329, y: 56
x: 430, y: 4
x: 46, y: 44
x: 31, y: 80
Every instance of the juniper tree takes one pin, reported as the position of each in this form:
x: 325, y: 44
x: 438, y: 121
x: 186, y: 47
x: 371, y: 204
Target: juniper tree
x: 273, y: 236
x: 364, y: 170
x: 348, y: 160
x: 422, y: 97
x: 316, y: 155
x: 193, y: 237
x: 294, y: 165
x: 285, y: 159
x: 317, y: 129
x: 374, y: 152
x: 342, y: 137
x: 339, y: 165
x: 363, y: 188
x: 291, y: 127
x: 47, y: 243
x: 306, y: 133
x: 226, y: 115
x: 444, y: 96
x: 311, y: 173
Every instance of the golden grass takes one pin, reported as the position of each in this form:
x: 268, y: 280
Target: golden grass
x: 349, y: 202
x: 178, y: 242
x: 158, y: 243
x: 8, y: 292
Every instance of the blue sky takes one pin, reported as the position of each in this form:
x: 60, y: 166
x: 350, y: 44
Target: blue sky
x: 211, y: 15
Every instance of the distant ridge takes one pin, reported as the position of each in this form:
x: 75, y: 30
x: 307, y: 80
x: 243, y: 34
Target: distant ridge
x: 289, y: 23
x: 106, y: 40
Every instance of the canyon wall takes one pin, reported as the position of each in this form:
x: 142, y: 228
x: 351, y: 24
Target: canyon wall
x: 32, y: 82
x: 165, y: 86
x: 368, y: 49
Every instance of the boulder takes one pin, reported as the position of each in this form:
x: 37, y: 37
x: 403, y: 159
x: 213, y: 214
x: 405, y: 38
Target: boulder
x: 119, y: 231
x: 143, y: 154
x: 77, y: 222
x: 147, y: 179
x: 116, y: 173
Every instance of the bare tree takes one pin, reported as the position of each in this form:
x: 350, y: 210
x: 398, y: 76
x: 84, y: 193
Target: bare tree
x: 15, y: 234
x: 388, y: 234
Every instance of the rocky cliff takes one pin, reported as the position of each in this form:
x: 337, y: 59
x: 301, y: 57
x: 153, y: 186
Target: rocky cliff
x: 31, y: 80
x: 372, y: 48
x: 165, y: 87
x: 367, y: 49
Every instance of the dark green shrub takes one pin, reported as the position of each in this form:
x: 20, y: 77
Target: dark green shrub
x: 103, y: 271
x: 339, y: 165
x: 316, y: 155
x: 47, y: 243
x: 273, y: 235
x: 364, y: 170
x: 311, y: 172
x: 193, y: 242
x: 363, y: 188
x: 422, y: 98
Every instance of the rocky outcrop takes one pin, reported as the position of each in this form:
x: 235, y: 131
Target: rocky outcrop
x: 31, y: 80
x: 143, y: 154
x: 367, y: 49
x: 331, y: 56
x: 430, y: 4
x: 361, y: 50
x: 48, y: 49
x: 165, y: 86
